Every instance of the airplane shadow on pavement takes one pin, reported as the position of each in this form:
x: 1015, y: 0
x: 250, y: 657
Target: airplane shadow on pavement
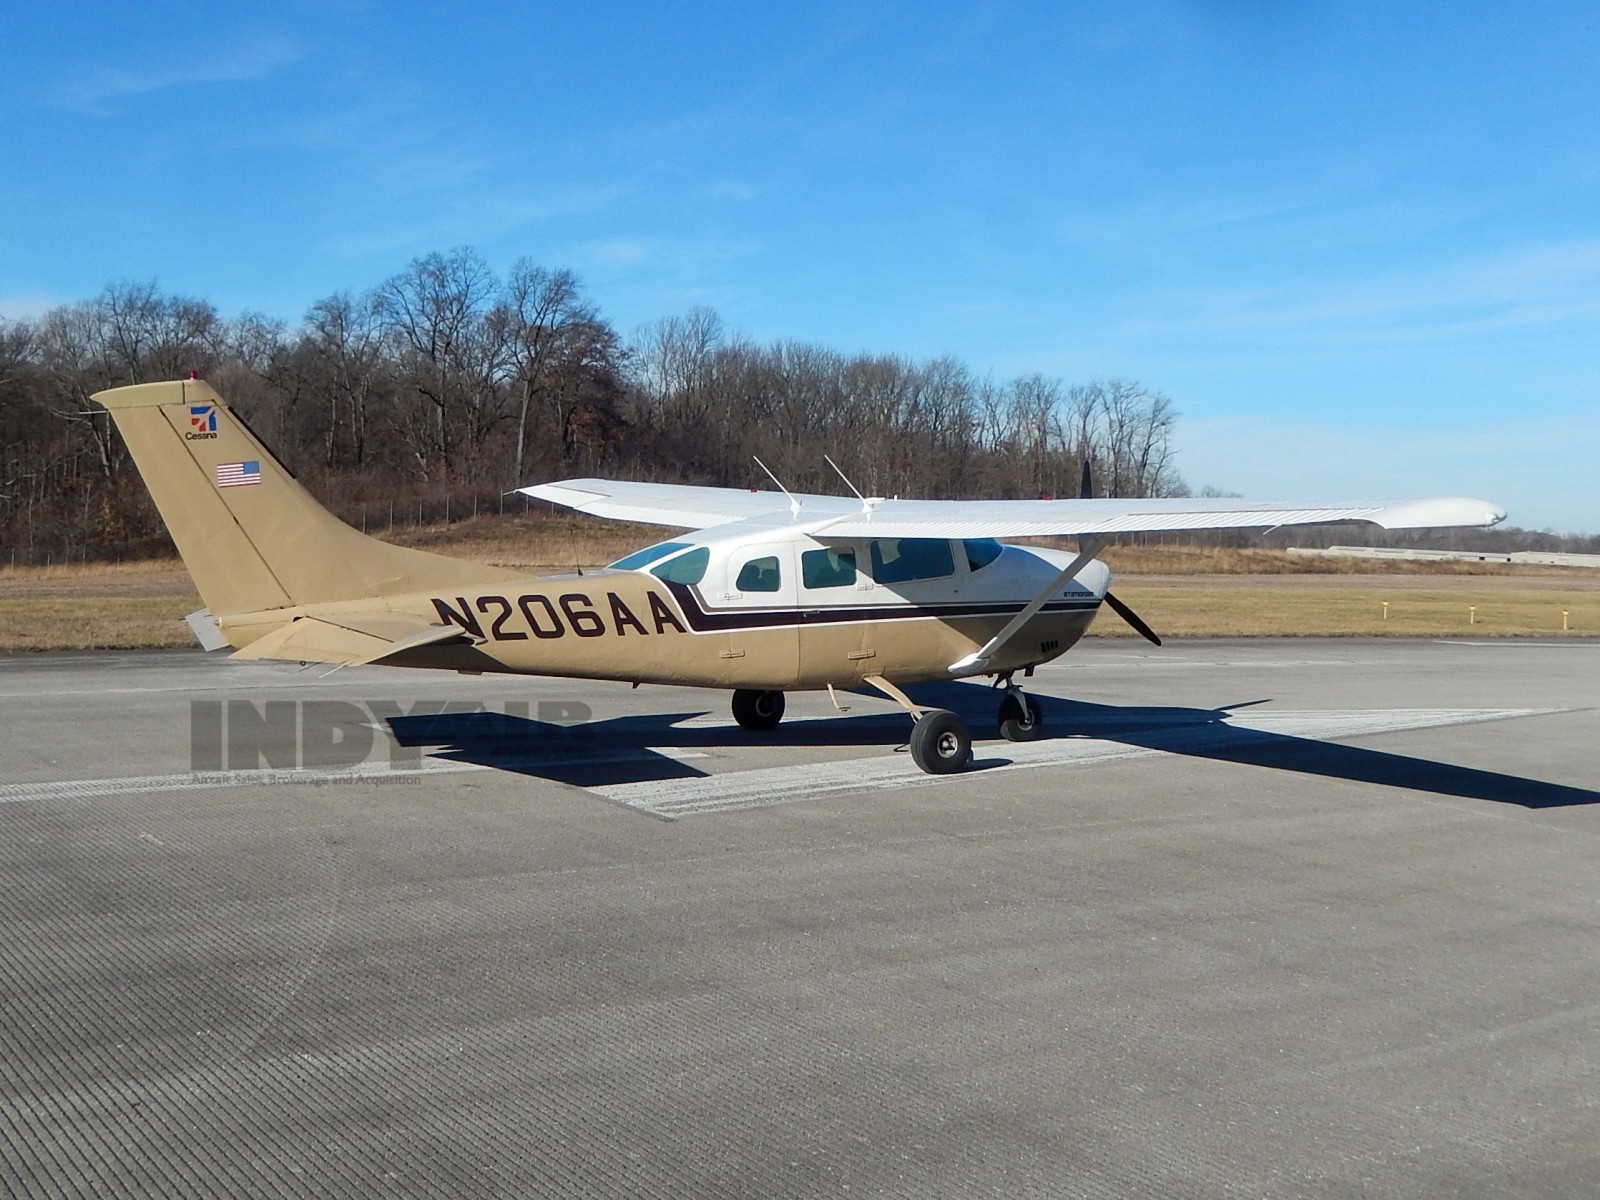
x: 1200, y: 733
x: 645, y: 748
x: 632, y: 749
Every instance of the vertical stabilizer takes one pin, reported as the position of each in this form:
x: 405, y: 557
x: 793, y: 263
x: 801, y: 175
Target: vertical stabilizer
x: 251, y: 537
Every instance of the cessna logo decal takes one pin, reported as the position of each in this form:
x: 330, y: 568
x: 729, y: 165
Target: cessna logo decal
x: 501, y: 619
x: 202, y: 423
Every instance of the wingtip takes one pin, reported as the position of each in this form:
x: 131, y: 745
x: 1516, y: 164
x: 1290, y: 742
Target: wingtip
x: 1451, y: 512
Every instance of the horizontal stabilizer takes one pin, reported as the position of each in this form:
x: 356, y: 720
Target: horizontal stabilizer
x: 351, y: 641
x: 206, y: 630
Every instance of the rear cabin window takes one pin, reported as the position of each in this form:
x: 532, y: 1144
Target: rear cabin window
x: 643, y: 558
x: 758, y: 575
x: 828, y: 568
x: 981, y: 552
x: 901, y: 560
x: 687, y: 568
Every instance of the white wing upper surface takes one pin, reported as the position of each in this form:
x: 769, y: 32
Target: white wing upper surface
x: 829, y: 517
x: 1035, y: 518
x: 680, y: 504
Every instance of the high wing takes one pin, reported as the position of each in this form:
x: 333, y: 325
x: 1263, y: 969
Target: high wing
x: 680, y: 505
x: 828, y: 517
x: 1039, y: 518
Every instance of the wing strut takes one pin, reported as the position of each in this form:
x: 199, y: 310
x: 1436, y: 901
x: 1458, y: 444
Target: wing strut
x: 1087, y: 549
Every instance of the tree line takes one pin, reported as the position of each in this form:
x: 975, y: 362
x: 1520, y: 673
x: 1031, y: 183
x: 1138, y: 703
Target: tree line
x: 449, y: 381
x: 434, y: 393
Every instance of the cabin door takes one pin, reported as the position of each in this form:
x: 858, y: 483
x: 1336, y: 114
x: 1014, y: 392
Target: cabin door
x: 759, y: 600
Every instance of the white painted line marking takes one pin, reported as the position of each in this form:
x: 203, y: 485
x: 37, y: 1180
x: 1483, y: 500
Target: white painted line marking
x: 710, y: 721
x: 1578, y: 642
x: 377, y: 772
x: 768, y: 786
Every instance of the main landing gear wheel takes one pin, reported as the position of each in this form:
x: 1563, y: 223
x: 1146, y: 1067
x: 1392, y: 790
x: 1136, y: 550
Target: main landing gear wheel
x: 940, y: 743
x: 755, y: 710
x: 1020, y: 719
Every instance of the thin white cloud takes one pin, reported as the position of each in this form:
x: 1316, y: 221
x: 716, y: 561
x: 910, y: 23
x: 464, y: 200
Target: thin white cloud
x: 1519, y: 288
x: 93, y: 88
x: 26, y: 308
x: 642, y: 279
x: 736, y: 190
x: 618, y: 252
x: 1265, y: 456
x: 699, y: 257
x: 397, y: 178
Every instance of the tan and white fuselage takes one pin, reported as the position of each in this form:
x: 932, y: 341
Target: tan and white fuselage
x: 632, y: 626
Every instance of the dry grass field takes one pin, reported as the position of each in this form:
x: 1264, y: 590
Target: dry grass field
x: 1358, y: 605
x: 1210, y: 592
x: 1181, y: 591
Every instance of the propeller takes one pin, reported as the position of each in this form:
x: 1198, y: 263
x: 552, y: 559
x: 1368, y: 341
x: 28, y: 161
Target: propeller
x: 1132, y: 618
x: 1086, y: 492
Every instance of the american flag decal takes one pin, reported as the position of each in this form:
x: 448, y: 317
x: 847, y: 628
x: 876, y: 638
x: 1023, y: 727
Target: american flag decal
x: 238, y: 474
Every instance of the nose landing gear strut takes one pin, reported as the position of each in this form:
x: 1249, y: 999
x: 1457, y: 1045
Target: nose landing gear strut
x: 1020, y: 718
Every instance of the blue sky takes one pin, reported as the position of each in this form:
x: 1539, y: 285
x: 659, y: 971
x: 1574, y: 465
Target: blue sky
x: 1358, y: 243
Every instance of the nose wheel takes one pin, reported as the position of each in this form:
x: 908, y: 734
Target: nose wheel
x: 1020, y: 719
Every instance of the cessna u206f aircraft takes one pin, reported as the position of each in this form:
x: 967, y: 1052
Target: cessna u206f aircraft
x: 768, y: 592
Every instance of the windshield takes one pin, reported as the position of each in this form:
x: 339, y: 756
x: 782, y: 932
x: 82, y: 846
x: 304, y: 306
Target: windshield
x: 687, y: 568
x: 643, y: 558
x: 981, y: 552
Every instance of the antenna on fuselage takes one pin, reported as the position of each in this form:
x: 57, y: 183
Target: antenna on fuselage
x: 866, y: 505
x: 794, y: 505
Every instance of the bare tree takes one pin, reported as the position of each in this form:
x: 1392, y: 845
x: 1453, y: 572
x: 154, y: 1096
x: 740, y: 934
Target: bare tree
x: 551, y: 326
x: 344, y: 337
x: 443, y: 374
x: 431, y: 308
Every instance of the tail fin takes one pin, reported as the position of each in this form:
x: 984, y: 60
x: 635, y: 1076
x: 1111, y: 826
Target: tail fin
x: 249, y: 534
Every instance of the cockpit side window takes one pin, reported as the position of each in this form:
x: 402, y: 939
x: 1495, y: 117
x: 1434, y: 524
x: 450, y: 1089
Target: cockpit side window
x: 759, y: 575
x: 828, y: 568
x: 901, y: 560
x: 687, y: 568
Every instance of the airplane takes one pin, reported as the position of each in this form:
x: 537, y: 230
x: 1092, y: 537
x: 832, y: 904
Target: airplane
x: 766, y: 592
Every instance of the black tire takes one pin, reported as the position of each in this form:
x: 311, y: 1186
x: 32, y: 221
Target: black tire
x: 1020, y: 718
x: 940, y: 743
x: 755, y: 710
